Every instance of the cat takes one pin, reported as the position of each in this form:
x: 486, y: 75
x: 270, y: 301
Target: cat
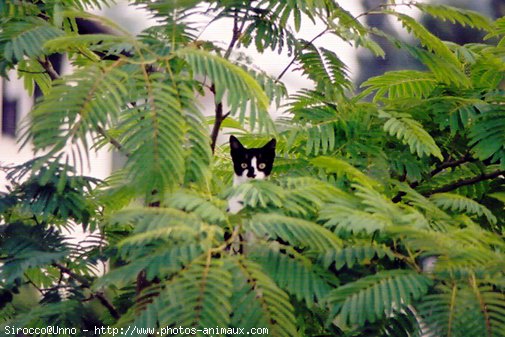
x: 253, y: 163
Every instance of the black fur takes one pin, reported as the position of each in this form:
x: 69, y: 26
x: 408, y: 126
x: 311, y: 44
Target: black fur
x: 241, y: 155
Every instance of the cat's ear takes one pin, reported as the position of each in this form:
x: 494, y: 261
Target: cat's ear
x: 270, y: 145
x: 235, y: 144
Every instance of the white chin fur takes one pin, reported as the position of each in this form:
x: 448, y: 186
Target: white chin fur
x: 235, y: 204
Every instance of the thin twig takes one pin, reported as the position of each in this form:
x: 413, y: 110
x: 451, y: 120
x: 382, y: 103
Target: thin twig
x: 306, y: 44
x: 378, y: 7
x: 33, y: 284
x: 113, y: 141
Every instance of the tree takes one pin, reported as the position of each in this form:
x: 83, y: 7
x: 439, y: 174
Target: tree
x: 367, y: 188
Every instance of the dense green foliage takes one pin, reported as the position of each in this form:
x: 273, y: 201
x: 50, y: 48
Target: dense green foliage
x: 367, y: 186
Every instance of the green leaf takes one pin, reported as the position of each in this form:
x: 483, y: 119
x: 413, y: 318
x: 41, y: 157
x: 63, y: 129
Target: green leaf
x: 193, y: 202
x: 259, y: 291
x: 462, y: 16
x: 354, y: 220
x: 455, y: 112
x: 298, y: 275
x: 232, y: 79
x: 258, y: 194
x: 165, y: 136
x: 198, y: 297
x: 427, y: 39
x: 24, y: 247
x: 107, y: 43
x: 459, y: 203
x: 326, y: 69
x: 26, y: 38
x: 412, y: 133
x: 342, y: 167
x: 373, y: 297
x: 296, y: 231
x: 452, y: 310
x: 488, y: 135
x: 352, y: 255
x: 401, y: 84
x: 78, y: 105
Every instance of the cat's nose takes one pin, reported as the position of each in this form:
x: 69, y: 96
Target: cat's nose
x: 250, y: 173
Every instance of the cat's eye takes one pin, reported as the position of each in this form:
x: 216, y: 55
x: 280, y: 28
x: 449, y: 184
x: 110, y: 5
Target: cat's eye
x: 261, y: 166
x: 243, y: 165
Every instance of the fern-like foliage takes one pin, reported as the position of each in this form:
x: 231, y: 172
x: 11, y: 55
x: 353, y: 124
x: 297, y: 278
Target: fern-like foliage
x: 491, y: 145
x: 228, y: 76
x: 253, y: 285
x: 400, y: 84
x: 427, y: 39
x: 412, y: 133
x: 357, y: 254
x: 460, y: 203
x: 22, y: 38
x: 447, y: 310
x: 375, y: 296
x: 153, y: 119
x: 457, y: 15
x: 325, y: 69
x: 383, y: 215
x: 78, y: 104
x: 191, y: 299
x: 298, y: 275
x: 295, y: 231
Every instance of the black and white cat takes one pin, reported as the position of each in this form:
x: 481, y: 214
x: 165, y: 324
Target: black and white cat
x: 254, y: 163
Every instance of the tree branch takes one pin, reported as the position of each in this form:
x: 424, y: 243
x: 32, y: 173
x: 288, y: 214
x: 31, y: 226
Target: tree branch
x: 107, y: 304
x: 465, y: 182
x: 81, y: 279
x: 452, y: 163
x: 446, y: 164
x: 219, y: 116
x: 48, y: 67
x: 236, y: 32
x: 86, y: 284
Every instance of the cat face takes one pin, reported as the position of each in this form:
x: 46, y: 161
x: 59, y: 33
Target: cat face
x: 255, y: 163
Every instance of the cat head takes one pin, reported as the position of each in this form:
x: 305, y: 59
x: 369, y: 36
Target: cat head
x: 254, y: 163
